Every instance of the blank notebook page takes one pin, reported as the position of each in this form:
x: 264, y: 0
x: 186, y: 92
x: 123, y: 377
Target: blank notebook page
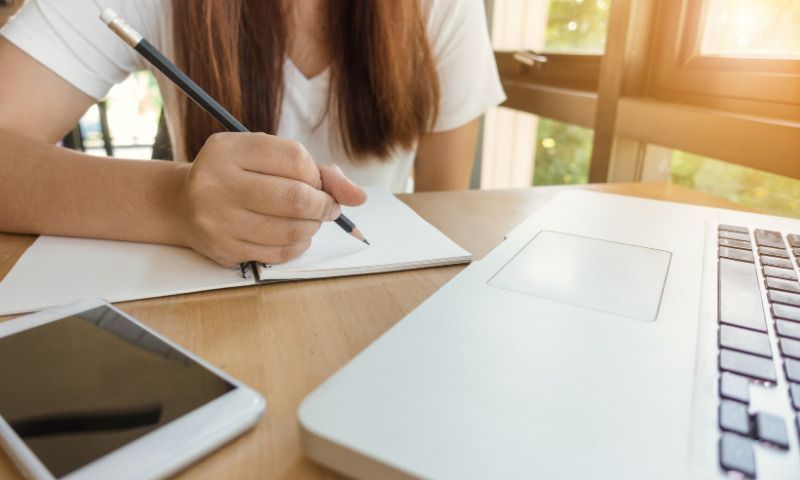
x: 399, y: 240
x: 59, y: 270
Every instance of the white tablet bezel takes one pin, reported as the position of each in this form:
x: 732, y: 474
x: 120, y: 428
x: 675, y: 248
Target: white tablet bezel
x: 160, y: 452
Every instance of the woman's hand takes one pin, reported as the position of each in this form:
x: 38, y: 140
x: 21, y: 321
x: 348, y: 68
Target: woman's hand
x: 253, y: 196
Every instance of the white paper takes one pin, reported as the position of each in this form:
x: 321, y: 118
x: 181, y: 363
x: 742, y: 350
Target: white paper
x: 399, y: 240
x: 58, y: 270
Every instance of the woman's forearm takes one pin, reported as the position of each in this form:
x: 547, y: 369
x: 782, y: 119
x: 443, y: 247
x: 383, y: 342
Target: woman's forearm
x: 50, y: 190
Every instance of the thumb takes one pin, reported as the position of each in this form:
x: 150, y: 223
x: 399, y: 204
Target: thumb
x: 341, y: 188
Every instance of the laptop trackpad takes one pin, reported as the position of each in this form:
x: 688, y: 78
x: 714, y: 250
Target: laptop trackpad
x: 611, y: 277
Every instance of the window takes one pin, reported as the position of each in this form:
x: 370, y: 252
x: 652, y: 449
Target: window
x: 563, y: 151
x: 752, y: 188
x: 731, y: 55
x: 680, y: 90
x: 573, y: 35
x: 576, y: 26
x: 752, y: 28
x: 133, y: 111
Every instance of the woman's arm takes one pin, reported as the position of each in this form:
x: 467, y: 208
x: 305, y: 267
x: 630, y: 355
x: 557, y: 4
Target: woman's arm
x: 52, y: 190
x: 444, y: 159
x: 246, y: 196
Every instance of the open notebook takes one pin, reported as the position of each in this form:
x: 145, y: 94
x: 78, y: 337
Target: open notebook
x: 57, y: 270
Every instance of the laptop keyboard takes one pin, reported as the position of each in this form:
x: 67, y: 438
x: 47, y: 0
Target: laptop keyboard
x: 746, y: 353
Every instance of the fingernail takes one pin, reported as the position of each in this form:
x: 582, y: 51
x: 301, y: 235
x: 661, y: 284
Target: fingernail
x: 335, y: 212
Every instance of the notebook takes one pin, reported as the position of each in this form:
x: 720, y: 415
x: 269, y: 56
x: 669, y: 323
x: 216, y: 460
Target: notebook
x: 58, y: 270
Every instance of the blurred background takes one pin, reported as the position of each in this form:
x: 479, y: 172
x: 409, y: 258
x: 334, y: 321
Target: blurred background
x: 744, y: 34
x: 700, y: 93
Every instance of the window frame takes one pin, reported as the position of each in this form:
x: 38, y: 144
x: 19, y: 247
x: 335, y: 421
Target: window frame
x: 681, y: 73
x: 574, y: 71
x: 564, y: 88
x: 652, y: 82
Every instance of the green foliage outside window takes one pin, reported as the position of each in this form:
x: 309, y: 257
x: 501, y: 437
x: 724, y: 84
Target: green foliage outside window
x: 563, y: 152
x: 152, y: 101
x: 752, y: 188
x: 577, y: 26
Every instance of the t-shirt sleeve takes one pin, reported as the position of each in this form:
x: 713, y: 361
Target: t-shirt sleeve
x: 468, y: 79
x: 69, y: 38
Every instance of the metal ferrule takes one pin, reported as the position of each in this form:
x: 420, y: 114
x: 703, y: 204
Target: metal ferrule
x: 125, y: 31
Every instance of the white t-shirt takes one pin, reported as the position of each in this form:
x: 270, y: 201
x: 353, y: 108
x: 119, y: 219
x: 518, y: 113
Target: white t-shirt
x: 69, y: 38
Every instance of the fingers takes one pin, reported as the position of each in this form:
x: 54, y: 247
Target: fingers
x: 271, y: 255
x: 255, y: 197
x: 268, y: 154
x: 341, y: 188
x: 272, y: 156
x: 271, y: 231
x: 254, y: 237
x: 283, y: 197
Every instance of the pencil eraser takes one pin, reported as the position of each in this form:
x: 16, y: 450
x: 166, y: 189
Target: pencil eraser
x: 108, y: 16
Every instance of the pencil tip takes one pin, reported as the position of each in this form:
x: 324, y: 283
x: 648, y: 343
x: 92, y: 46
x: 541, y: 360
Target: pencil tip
x: 357, y: 234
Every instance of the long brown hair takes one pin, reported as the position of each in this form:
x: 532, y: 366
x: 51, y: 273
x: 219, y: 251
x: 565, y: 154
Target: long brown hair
x: 384, y: 91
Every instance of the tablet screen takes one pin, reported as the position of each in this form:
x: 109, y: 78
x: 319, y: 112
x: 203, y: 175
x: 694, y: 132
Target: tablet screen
x: 83, y: 386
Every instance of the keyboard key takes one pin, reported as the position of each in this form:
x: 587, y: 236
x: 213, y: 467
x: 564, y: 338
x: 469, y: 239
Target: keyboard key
x: 733, y: 228
x: 773, y: 252
x: 794, y: 240
x: 776, y: 272
x: 788, y: 329
x: 785, y: 312
x: 743, y: 340
x: 771, y: 429
x: 740, y: 296
x: 769, y: 238
x: 736, y: 254
x: 733, y: 417
x: 789, y: 348
x: 794, y: 392
x: 796, y: 252
x: 747, y: 365
x: 735, y: 236
x: 736, y: 455
x: 727, y: 242
x: 776, y: 262
x: 736, y: 387
x: 786, y: 298
x: 792, y: 368
x: 781, y: 284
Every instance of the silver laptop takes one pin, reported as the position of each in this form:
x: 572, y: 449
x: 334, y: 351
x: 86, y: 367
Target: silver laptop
x: 606, y: 337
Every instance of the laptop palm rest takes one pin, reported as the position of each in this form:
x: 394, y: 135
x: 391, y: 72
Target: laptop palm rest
x: 602, y: 275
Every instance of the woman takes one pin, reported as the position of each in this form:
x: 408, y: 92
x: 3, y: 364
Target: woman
x: 374, y: 86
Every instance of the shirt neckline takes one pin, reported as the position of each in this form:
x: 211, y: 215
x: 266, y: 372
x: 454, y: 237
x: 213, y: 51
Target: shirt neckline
x: 323, y: 75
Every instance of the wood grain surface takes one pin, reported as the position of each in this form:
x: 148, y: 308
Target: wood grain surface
x: 285, y: 339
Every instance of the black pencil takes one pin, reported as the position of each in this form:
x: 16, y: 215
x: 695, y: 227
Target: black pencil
x: 193, y: 90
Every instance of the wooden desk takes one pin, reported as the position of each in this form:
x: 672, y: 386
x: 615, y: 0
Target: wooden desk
x: 285, y: 339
